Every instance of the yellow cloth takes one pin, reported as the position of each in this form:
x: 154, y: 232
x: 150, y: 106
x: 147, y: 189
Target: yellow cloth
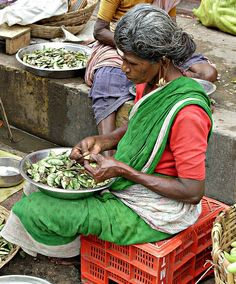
x: 113, y: 10
x: 5, y: 192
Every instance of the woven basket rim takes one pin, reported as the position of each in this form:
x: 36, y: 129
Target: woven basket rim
x: 49, y: 32
x: 91, y: 4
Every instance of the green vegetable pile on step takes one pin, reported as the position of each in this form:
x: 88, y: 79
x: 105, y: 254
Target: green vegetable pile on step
x: 56, y: 58
x: 58, y: 170
x: 231, y: 257
x: 6, y: 248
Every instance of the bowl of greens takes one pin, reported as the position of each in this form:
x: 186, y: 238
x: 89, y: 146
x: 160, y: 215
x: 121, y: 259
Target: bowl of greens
x: 54, y: 173
x: 54, y: 59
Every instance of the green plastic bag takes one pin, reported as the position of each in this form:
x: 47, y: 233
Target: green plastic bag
x: 218, y: 13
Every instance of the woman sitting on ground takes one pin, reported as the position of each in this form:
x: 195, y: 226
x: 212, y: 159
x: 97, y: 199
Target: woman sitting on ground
x: 159, y: 164
x: 109, y: 85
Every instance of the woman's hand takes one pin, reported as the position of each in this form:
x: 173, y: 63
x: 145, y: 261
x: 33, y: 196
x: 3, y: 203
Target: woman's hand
x: 106, y: 168
x: 89, y: 145
x: 97, y: 144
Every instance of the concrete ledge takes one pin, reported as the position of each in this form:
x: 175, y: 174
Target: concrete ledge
x: 221, y: 158
x: 56, y: 110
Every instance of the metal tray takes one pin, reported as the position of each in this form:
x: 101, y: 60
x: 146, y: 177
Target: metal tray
x: 53, y: 191
x: 52, y: 73
x: 9, y: 172
x: 22, y: 279
x: 209, y: 87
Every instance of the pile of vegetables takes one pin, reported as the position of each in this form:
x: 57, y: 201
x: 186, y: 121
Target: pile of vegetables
x: 231, y: 257
x: 56, y: 58
x: 58, y: 170
x: 217, y: 13
x: 6, y: 248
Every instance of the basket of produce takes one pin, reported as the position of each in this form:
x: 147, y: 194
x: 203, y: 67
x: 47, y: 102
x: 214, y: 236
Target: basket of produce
x: 224, y: 246
x: 54, y: 59
x: 73, y: 21
x: 54, y: 173
x: 7, y: 249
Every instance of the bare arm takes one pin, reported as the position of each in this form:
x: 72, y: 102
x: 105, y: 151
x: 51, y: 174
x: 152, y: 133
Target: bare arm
x: 188, y: 156
x: 102, y: 32
x: 185, y: 190
x: 97, y: 144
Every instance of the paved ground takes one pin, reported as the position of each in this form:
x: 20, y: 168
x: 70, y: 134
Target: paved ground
x: 220, y: 48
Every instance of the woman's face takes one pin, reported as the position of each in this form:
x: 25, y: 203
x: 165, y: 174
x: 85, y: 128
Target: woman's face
x: 137, y: 69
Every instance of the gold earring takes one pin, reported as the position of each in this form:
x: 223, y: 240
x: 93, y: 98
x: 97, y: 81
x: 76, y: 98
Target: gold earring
x: 163, y: 70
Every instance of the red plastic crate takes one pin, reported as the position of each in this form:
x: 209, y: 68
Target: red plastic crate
x: 184, y: 274
x: 179, y: 260
x: 203, y: 227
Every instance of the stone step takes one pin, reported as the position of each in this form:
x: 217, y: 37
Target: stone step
x: 57, y: 110
x: 221, y: 158
x: 23, y: 142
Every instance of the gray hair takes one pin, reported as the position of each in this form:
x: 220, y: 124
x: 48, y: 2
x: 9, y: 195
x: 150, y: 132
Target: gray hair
x: 150, y: 33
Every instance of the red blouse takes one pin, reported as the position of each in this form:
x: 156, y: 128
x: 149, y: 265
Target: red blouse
x: 185, y: 152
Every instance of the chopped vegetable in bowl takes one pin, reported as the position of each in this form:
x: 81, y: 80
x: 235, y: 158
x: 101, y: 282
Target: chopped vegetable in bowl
x: 55, y: 58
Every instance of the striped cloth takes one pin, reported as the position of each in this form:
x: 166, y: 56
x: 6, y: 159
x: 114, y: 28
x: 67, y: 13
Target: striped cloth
x: 102, y: 56
x: 166, y: 5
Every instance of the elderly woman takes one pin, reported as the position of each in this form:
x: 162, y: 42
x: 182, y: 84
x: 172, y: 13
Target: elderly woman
x: 109, y: 85
x: 159, y: 164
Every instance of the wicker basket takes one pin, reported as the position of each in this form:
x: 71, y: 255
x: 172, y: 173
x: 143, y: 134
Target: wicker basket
x: 223, y: 234
x: 73, y: 21
x: 48, y: 32
x: 4, y: 214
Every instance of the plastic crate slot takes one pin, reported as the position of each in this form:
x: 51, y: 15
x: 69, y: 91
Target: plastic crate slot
x: 142, y: 277
x: 145, y: 259
x: 185, y: 273
x: 98, y: 253
x: 93, y: 252
x: 187, y: 239
x: 188, y: 254
x: 201, y: 264
x: 187, y: 249
x: 123, y: 250
x: 114, y: 278
x: 118, y: 265
x: 205, y: 228
x: 204, y: 242
x: 92, y: 271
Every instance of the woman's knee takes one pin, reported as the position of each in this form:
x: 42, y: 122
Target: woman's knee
x: 204, y: 71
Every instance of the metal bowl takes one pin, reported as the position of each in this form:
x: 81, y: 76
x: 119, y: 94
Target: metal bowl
x: 209, y: 87
x: 22, y: 279
x: 53, y: 191
x: 52, y: 73
x: 9, y: 172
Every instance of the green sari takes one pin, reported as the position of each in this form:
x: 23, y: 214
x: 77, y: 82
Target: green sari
x: 56, y: 222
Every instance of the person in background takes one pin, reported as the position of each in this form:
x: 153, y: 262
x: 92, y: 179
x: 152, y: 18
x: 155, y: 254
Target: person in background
x: 109, y: 85
x: 159, y: 165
